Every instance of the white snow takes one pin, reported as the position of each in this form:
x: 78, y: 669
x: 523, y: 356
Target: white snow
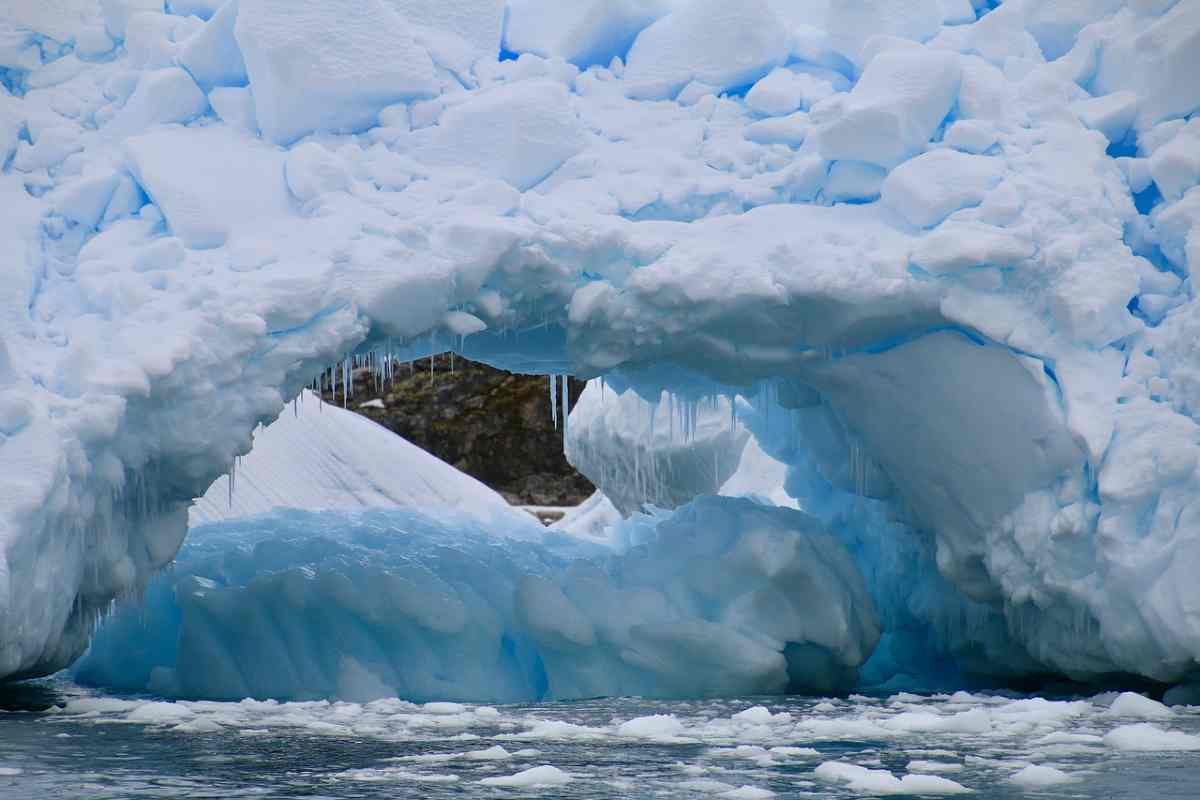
x: 321, y: 456
x: 358, y: 56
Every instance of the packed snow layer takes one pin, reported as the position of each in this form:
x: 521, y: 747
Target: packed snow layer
x: 1003, y: 344
x: 320, y: 456
x: 722, y: 598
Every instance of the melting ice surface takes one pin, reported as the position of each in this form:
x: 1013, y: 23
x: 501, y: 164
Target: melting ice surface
x: 65, y: 742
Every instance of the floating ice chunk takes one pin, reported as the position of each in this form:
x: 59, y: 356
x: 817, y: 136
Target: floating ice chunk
x: 919, y: 765
x: 166, y: 95
x: 359, y: 56
x: 544, y: 776
x: 853, y: 181
x: 1131, y: 704
x: 1036, y: 776
x: 851, y: 23
x: 519, y: 133
x: 209, y: 182
x: 311, y: 170
x: 748, y: 792
x: 894, y: 109
x: 882, y: 782
x: 930, y: 187
x: 1144, y: 737
x: 212, y: 55
x: 160, y: 713
x: 726, y: 45
x: 1112, y: 114
x: 585, y: 32
x: 656, y: 726
x: 460, y: 323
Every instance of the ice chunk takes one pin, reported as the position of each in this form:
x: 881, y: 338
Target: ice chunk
x: 784, y: 91
x: 930, y: 187
x: 791, y: 130
x: 234, y: 105
x: 882, y: 782
x: 957, y: 246
x: 1175, y: 166
x: 724, y: 45
x: 851, y: 23
x: 477, y: 22
x: 209, y: 182
x: 359, y: 56
x: 1156, y: 58
x: 118, y: 12
x: 1145, y: 737
x: 518, y: 133
x: 853, y: 181
x: 585, y: 32
x: 1036, y: 777
x: 86, y: 200
x: 166, y: 95
x: 311, y: 170
x: 970, y: 135
x: 541, y: 777
x: 1131, y: 704
x: 894, y: 109
x: 212, y: 56
x: 1111, y: 114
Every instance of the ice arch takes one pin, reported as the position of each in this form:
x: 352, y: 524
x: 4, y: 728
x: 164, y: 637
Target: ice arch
x: 198, y: 230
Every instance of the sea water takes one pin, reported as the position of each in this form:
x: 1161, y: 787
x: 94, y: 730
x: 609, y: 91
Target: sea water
x: 59, y: 740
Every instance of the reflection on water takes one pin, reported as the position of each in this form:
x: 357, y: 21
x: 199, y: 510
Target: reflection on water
x: 57, y: 740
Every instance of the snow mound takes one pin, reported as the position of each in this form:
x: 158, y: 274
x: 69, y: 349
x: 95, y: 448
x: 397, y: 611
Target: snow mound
x: 319, y: 456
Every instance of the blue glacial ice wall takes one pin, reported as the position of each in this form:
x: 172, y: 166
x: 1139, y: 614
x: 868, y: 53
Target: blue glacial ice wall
x: 969, y: 235
x: 724, y: 597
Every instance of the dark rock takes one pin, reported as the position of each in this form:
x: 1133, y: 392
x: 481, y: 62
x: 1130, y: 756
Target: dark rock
x: 491, y: 424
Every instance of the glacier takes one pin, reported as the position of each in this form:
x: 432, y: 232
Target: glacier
x: 933, y: 258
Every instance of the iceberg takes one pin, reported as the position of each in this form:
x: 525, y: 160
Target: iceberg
x: 991, y: 368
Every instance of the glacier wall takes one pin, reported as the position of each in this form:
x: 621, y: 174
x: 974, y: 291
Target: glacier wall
x: 964, y: 233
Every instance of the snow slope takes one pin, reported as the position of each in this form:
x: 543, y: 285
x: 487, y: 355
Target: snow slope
x: 996, y: 356
x: 318, y: 456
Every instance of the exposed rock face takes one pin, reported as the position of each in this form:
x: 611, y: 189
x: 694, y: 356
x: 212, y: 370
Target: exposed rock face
x: 493, y: 425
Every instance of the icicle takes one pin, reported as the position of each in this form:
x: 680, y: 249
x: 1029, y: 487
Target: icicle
x: 553, y: 400
x: 566, y: 395
x: 232, y: 476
